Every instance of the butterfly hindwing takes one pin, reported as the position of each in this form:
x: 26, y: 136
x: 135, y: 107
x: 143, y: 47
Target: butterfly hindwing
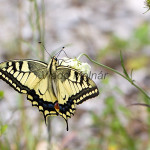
x: 74, y: 88
x: 30, y: 77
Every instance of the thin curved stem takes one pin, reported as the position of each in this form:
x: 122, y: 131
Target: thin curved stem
x: 115, y: 71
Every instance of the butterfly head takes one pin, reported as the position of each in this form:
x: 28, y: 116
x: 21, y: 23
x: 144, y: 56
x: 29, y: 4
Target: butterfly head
x: 54, y: 61
x: 55, y: 58
x: 53, y: 64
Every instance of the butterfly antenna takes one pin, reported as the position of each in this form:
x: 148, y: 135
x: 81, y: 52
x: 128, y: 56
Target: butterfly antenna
x: 44, y: 47
x: 65, y: 53
x: 62, y: 49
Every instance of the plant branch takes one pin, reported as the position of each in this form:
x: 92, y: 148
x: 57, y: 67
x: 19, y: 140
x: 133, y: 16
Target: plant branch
x: 115, y: 71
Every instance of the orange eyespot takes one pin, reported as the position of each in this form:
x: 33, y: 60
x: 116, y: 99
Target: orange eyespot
x: 56, y: 106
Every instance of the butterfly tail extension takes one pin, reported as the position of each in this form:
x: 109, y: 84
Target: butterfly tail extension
x: 67, y: 125
x: 66, y: 120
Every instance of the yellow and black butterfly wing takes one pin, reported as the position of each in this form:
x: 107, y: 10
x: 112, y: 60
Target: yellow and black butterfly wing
x: 46, y: 97
x: 53, y: 88
x: 31, y: 77
x: 73, y: 87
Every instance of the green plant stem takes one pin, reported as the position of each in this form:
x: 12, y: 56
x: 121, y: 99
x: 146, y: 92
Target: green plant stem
x: 37, y: 18
x: 115, y: 71
x: 49, y: 133
x: 43, y: 23
x: 40, y: 24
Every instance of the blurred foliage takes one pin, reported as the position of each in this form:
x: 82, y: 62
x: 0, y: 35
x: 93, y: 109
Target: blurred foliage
x: 1, y: 95
x: 137, y: 62
x: 24, y: 138
x: 141, y: 35
x: 111, y: 133
x: 116, y: 44
x: 139, y: 39
x: 131, y: 49
x: 3, y: 128
x: 147, y: 3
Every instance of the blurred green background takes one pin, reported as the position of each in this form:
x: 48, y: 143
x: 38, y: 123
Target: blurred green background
x: 100, y: 29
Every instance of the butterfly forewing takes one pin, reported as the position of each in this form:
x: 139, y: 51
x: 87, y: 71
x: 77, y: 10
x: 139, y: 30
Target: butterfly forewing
x: 31, y: 77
